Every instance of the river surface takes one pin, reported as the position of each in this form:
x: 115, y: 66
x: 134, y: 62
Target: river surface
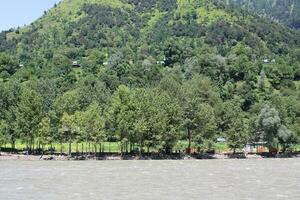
x: 155, y: 180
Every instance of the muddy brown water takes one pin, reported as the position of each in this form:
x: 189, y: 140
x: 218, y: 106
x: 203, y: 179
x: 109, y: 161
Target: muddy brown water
x: 195, y: 179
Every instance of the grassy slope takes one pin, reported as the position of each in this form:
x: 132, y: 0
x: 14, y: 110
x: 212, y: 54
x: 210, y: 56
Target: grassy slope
x: 67, y: 11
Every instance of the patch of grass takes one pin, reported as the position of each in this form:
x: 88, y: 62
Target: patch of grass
x: 152, y: 22
x: 297, y: 83
x: 221, y: 147
x: 218, y: 146
x: 207, y: 16
x: 107, y: 146
x: 114, y: 147
x: 297, y: 147
x: 67, y: 11
x: 185, y: 6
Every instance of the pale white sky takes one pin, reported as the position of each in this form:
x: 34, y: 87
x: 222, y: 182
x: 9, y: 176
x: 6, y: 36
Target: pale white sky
x: 14, y: 13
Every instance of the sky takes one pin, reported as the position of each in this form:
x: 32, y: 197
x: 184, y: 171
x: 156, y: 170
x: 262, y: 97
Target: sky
x: 14, y: 13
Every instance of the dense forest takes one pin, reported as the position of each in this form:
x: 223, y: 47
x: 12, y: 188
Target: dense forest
x: 148, y: 74
x: 286, y: 12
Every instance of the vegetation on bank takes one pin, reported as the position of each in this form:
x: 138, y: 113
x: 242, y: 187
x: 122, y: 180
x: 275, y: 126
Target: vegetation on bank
x: 106, y: 147
x: 148, y: 74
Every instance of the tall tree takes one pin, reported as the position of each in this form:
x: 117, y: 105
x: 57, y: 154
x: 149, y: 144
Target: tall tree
x: 69, y: 129
x: 93, y: 124
x: 197, y: 91
x: 4, y: 136
x: 268, y: 123
x: 235, y: 125
x: 44, y: 135
x: 9, y: 98
x: 206, y: 126
x: 121, y: 114
x: 29, y: 114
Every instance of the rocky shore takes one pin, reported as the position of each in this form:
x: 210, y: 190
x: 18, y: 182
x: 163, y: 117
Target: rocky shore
x: 116, y: 156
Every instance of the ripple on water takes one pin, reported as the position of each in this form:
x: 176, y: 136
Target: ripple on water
x: 215, y: 179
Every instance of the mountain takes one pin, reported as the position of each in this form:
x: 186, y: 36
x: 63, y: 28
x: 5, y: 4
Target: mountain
x: 174, y: 54
x: 286, y: 12
x: 101, y: 33
x: 73, y: 28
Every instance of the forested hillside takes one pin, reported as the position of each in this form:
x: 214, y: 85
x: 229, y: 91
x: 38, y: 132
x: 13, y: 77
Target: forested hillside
x: 285, y: 11
x: 150, y: 73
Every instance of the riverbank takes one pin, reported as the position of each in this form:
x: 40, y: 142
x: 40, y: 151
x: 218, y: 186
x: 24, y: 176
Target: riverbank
x: 116, y: 156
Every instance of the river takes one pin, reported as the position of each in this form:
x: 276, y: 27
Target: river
x: 109, y: 180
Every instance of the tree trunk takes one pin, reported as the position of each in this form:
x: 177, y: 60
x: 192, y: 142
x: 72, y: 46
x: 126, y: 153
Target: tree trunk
x: 51, y: 147
x: 70, y: 148
x: 27, y: 147
x: 189, y: 138
x: 130, y: 147
x: 121, y: 145
x: 61, y: 148
x: 86, y: 148
x: 13, y: 144
x: 141, y: 148
x: 39, y: 144
x: 32, y: 142
x: 133, y: 146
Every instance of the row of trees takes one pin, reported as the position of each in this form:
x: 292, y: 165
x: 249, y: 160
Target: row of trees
x: 156, y: 117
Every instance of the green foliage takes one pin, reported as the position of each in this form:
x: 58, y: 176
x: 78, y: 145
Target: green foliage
x: 235, y: 124
x: 4, y: 135
x: 29, y: 113
x: 151, y: 73
x: 271, y: 128
x: 206, y: 126
x: 286, y: 12
x: 44, y: 135
x: 92, y: 124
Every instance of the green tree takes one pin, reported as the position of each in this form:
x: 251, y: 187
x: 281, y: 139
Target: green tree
x: 120, y: 116
x: 268, y: 124
x: 235, y: 125
x: 9, y: 98
x: 172, y: 120
x: 90, y: 89
x: 4, y: 137
x: 237, y: 136
x: 29, y: 114
x: 44, y: 136
x: 67, y: 103
x: 65, y: 107
x: 285, y: 136
x: 262, y: 80
x: 93, y: 124
x: 69, y: 129
x: 197, y: 91
x: 206, y: 126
